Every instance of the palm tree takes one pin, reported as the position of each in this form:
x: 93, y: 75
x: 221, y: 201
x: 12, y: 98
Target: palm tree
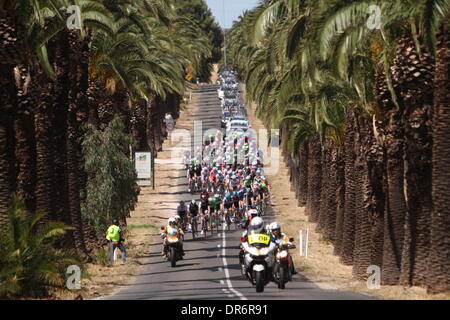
x: 31, y: 267
x: 438, y: 260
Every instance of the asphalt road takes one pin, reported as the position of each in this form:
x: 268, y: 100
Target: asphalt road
x: 210, y: 269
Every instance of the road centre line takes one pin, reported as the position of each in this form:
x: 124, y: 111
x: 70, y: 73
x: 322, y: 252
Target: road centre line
x: 227, y: 273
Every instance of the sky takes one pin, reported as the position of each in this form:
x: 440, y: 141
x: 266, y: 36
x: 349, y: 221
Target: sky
x: 233, y: 9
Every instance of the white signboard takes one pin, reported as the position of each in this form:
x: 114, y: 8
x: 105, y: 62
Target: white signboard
x: 143, y: 165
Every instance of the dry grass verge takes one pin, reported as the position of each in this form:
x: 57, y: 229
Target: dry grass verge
x: 322, y: 266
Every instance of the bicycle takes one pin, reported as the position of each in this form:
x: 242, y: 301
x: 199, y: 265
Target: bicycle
x: 227, y: 218
x: 194, y: 226
x: 204, y: 222
x: 191, y: 185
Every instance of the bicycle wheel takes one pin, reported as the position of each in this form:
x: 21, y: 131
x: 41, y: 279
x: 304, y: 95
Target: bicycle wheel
x: 193, y: 227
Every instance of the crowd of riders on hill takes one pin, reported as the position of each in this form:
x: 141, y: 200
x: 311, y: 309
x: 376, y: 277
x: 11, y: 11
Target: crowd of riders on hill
x: 228, y: 173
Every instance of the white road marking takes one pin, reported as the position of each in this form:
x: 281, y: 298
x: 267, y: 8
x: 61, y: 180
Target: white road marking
x: 227, y: 273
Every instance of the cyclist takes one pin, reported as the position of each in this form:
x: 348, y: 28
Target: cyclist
x: 190, y: 175
x: 193, y: 212
x: 182, y: 212
x: 227, y: 204
x: 204, y: 205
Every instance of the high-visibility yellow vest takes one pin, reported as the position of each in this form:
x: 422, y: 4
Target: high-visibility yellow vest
x: 258, y: 238
x: 113, y: 233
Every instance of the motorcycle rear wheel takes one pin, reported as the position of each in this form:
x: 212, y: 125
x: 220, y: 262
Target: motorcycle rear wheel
x: 282, y: 278
x: 173, y: 257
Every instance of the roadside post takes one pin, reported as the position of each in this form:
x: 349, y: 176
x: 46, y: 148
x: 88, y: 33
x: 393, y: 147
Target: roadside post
x: 303, y: 236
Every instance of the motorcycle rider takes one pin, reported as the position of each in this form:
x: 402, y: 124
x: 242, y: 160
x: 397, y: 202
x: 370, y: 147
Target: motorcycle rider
x: 281, y: 238
x: 256, y: 228
x: 171, y: 224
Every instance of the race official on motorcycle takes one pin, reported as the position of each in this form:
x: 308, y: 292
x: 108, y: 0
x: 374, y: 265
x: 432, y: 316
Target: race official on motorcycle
x: 281, y: 238
x: 115, y: 240
x: 256, y: 233
x: 171, y: 224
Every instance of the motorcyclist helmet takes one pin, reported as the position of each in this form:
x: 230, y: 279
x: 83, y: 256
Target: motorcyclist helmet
x: 257, y: 225
x: 274, y: 226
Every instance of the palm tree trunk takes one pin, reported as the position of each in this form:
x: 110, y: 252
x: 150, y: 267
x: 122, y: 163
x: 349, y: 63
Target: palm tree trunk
x: 314, y: 176
x: 7, y: 142
x: 416, y: 91
x: 395, y: 211
x: 324, y: 192
x: 438, y: 279
x: 340, y: 201
x: 362, y: 251
x: 303, y: 174
x: 375, y: 195
x: 330, y: 223
x: 77, y: 103
x: 349, y: 219
x: 45, y: 190
x: 25, y: 140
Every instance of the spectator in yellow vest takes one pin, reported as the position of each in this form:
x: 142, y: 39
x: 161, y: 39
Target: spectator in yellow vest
x: 115, y: 240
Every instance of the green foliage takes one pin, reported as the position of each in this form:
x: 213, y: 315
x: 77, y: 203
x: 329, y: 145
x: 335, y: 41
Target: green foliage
x: 306, y: 62
x: 101, y: 257
x: 111, y: 190
x: 198, y: 12
x: 30, y: 266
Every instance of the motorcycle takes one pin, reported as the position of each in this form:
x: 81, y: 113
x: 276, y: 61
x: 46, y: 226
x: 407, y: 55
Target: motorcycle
x: 282, y: 270
x: 173, y: 251
x: 257, y: 260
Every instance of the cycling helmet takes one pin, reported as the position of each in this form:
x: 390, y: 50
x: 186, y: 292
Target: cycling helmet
x: 253, y: 212
x: 171, y: 220
x: 227, y: 195
x: 177, y: 217
x: 193, y: 201
x: 182, y: 202
x: 116, y: 222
